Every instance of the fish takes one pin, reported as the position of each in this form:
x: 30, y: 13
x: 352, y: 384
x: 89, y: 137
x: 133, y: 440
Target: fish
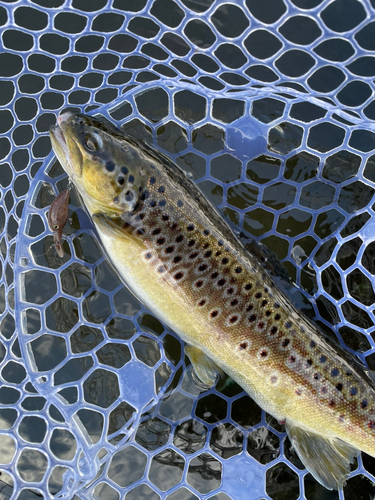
x: 58, y: 215
x: 176, y: 253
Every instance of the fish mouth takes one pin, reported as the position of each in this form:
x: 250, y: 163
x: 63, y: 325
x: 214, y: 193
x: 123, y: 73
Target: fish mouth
x: 60, y: 144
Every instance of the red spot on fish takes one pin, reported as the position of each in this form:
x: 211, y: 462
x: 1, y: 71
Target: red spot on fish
x: 332, y: 403
x: 263, y: 353
x: 233, y: 319
x: 273, y: 379
x: 292, y: 359
x: 298, y: 392
x: 260, y: 325
x: 243, y: 345
x: 371, y: 425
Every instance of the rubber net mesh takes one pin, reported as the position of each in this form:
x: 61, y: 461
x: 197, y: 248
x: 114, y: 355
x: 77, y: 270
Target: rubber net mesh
x: 268, y: 106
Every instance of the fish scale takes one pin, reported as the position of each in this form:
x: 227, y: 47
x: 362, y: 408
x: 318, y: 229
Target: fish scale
x: 180, y: 258
x: 264, y: 330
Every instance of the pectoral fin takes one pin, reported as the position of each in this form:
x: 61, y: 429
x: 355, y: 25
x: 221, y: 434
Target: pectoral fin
x: 328, y: 460
x: 116, y: 227
x: 206, y: 370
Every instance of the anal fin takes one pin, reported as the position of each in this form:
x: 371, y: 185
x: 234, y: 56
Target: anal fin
x: 327, y: 459
x: 206, y: 370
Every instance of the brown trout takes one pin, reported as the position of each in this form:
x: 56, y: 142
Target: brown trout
x: 58, y: 215
x: 175, y: 252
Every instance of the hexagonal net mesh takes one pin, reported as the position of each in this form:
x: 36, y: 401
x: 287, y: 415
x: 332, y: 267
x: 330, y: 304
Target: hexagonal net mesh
x: 268, y: 106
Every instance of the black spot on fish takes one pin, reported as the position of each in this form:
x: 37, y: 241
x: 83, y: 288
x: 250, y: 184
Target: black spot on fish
x: 191, y: 243
x: 124, y: 170
x: 268, y: 314
x: 277, y: 317
x: 190, y: 227
x: 129, y: 196
x: 288, y: 324
x: 285, y: 343
x: 145, y: 195
x: 206, y: 245
x: 225, y: 261
x: 339, y: 387
x: 248, y: 286
x: 263, y: 303
x: 116, y: 199
x: 323, y: 359
x: 230, y: 291
x: 234, y: 302
x: 156, y: 231
x: 220, y: 243
x: 312, y: 344
x: 152, y: 180
x: 160, y: 241
x: 178, y: 276
x: 260, y: 325
x: 152, y: 203
x: 364, y: 403
x: 161, y: 269
x: 161, y: 189
x: 179, y: 238
x: 334, y: 372
x: 140, y: 189
x: 263, y: 353
x: 214, y: 275
x: 252, y: 318
x: 131, y: 179
x: 309, y: 362
x: 110, y: 166
x: 266, y: 290
x: 238, y: 270
x: 193, y: 255
x: 217, y: 254
x: 202, y: 267
x: 140, y: 231
x: 243, y: 345
x: 121, y: 181
x: 148, y: 255
x: 213, y: 314
x: 165, y: 217
x: 169, y: 249
x: 221, y: 282
x: 141, y: 216
x: 258, y: 295
x: 249, y: 307
x: 207, y: 254
x: 316, y: 376
x: 353, y: 391
x: 276, y: 305
x: 273, y: 330
x: 177, y: 259
x: 162, y: 203
x: 233, y: 319
x: 199, y: 283
x: 201, y: 303
x: 174, y: 226
x: 206, y: 232
x: 180, y: 203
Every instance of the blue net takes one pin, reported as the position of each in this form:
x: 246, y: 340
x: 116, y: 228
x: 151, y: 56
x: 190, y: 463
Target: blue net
x: 268, y: 106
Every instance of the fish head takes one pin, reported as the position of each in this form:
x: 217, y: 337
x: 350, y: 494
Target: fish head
x: 103, y: 164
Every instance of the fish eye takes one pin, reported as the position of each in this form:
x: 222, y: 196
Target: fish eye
x: 92, y: 143
x: 56, y: 226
